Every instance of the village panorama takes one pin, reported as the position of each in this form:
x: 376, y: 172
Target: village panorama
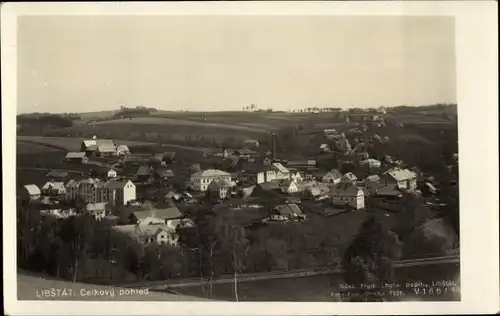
x: 316, y: 204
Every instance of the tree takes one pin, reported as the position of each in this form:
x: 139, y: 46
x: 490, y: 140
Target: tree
x: 370, y: 257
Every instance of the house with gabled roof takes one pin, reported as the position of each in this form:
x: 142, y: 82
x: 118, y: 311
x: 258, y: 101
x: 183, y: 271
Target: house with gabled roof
x: 218, y: 189
x: 144, y: 173
x: 371, y: 163
x: 30, y: 192
x: 280, y: 172
x: 77, y: 157
x: 288, y: 212
x: 155, y: 216
x: 288, y: 186
x: 57, y: 174
x: 53, y: 188
x: 403, y: 178
x: 333, y: 176
x: 324, y: 148
x: 349, y: 178
x: 96, y: 210
x: 145, y: 234
x: 163, y: 173
x: 348, y: 194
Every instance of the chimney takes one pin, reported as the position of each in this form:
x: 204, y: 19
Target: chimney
x: 273, y: 142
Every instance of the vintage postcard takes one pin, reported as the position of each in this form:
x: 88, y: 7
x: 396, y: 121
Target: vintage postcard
x: 250, y: 158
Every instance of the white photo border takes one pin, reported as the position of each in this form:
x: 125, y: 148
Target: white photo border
x: 476, y: 40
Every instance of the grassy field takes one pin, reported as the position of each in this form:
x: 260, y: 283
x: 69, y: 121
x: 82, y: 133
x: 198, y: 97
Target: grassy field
x: 31, y: 148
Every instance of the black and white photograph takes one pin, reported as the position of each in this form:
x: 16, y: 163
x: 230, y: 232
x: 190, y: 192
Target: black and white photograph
x: 240, y: 158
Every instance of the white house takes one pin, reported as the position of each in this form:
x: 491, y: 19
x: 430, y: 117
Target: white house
x: 30, y: 192
x: 97, y: 210
x: 200, y: 180
x: 296, y: 177
x: 288, y: 186
x: 372, y: 163
x: 154, y: 233
x: 287, y: 212
x: 156, y: 216
x: 403, y: 178
x: 349, y: 178
x: 53, y: 188
x: 333, y: 176
x: 324, y: 148
x: 112, y: 174
x: 348, y: 194
x: 281, y: 173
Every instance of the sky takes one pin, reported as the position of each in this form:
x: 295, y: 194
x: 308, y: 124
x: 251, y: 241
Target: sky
x: 214, y: 63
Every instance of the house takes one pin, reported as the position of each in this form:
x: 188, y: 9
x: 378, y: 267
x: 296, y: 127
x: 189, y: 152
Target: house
x: 155, y: 216
x: 244, y: 153
x: 216, y: 153
x: 169, y: 157
x: 372, y: 184
x: 288, y: 212
x: 98, y: 147
x: 267, y: 187
x: 200, y: 180
x: 52, y: 188
x: 57, y: 174
x: 349, y: 178
x: 120, y: 192
x: 360, y: 156
x: 218, y: 189
x: 173, y: 196
x: 247, y: 191
x: 348, y: 194
x: 267, y: 161
x: 371, y: 163
x: 403, y: 178
x: 288, y: 186
x: 324, y: 148
x: 76, y: 157
x: 389, y: 191
x: 333, y: 176
x: 30, y: 192
x: 163, y: 173
x: 251, y: 143
x: 144, y: 173
x: 279, y: 172
x: 296, y: 177
x: 96, y: 210
x: 111, y: 174
x: 105, y: 147
x: 145, y: 234
x: 122, y: 150
x: 312, y: 192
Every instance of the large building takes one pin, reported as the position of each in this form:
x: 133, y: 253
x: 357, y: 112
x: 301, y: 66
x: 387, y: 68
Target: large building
x: 95, y: 191
x: 200, y: 180
x: 276, y: 171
